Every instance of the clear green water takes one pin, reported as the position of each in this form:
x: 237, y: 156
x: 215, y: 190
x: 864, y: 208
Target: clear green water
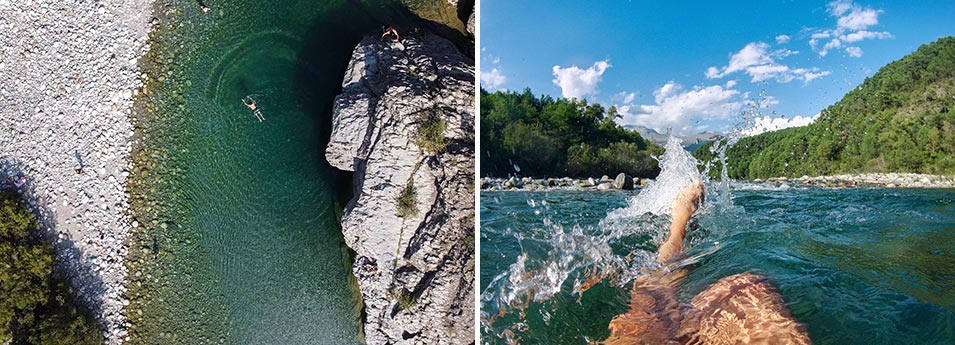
x: 856, y: 266
x: 243, y: 213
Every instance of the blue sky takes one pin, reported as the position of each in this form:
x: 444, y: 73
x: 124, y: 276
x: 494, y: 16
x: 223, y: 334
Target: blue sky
x: 695, y: 66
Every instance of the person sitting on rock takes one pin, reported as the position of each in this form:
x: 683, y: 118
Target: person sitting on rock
x: 391, y: 31
x: 742, y: 308
x: 249, y: 102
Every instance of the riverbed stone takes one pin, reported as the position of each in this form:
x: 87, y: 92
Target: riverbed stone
x: 623, y: 181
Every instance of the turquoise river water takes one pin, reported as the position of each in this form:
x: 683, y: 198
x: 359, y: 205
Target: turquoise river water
x: 855, y: 266
x: 239, y: 240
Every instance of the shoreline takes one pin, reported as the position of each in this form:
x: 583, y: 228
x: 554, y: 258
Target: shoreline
x: 620, y: 182
x: 869, y: 180
x: 68, y: 95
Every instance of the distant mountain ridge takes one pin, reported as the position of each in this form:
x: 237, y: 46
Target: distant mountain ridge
x: 902, y: 119
x: 690, y: 142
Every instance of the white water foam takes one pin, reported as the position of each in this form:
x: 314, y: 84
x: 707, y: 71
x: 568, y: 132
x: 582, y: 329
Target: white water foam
x: 678, y: 169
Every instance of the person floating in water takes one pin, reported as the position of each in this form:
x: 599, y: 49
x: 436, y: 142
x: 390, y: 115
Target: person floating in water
x: 742, y: 308
x: 249, y: 102
x: 203, y: 7
x: 391, y: 31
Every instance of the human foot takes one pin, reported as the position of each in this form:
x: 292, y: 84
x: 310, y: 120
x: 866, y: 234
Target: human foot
x: 688, y: 200
x: 684, y: 205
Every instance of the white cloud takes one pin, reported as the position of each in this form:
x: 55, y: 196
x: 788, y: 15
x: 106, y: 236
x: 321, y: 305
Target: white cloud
x: 852, y: 22
x: 859, y: 19
x: 864, y: 35
x: 837, y: 8
x: 752, y: 54
x: 576, y: 83
x: 626, y: 97
x: 493, y: 80
x: 713, y: 72
x: 854, y: 51
x: 767, y: 124
x: 756, y: 60
x: 782, y: 39
x: 808, y: 74
x: 764, y: 72
x: 675, y: 107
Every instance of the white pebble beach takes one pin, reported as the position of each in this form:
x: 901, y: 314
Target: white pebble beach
x: 68, y: 77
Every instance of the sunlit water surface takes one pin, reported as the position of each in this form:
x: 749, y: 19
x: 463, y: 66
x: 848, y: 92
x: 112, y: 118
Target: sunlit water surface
x: 854, y: 265
x: 242, y: 213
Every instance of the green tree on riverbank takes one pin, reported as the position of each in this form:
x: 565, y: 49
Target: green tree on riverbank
x: 35, y: 308
x: 544, y: 136
x: 902, y: 119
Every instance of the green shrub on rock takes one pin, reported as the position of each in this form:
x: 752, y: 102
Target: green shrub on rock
x: 35, y: 308
x: 407, y: 201
x: 431, y: 133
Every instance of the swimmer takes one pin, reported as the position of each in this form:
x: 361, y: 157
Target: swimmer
x: 249, y: 102
x: 203, y: 7
x: 742, y: 308
x: 391, y: 31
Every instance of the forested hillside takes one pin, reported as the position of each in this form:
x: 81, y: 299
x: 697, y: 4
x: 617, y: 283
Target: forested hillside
x: 902, y: 119
x: 543, y: 136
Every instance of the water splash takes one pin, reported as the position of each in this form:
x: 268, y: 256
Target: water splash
x: 678, y: 169
x: 745, y: 125
x: 558, y: 263
x: 621, y: 247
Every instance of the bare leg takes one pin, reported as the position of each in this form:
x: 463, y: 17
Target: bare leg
x: 655, y: 316
x: 741, y: 309
x: 684, y: 205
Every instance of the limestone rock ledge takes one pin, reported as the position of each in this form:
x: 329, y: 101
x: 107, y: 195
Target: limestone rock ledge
x: 415, y: 270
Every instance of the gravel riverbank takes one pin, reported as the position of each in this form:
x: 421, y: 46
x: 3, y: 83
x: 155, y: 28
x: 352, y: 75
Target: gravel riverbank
x: 880, y: 180
x: 875, y: 180
x: 621, y: 182
x: 68, y: 76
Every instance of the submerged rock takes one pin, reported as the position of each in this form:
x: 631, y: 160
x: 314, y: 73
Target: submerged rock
x: 404, y: 123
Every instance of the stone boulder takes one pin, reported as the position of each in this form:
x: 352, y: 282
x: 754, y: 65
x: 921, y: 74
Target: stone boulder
x: 623, y: 181
x: 411, y: 221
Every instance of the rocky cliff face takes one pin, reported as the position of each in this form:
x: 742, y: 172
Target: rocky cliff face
x: 404, y: 124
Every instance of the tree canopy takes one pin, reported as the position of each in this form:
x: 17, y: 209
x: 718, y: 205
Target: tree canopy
x: 543, y: 136
x: 899, y: 120
x: 35, y: 308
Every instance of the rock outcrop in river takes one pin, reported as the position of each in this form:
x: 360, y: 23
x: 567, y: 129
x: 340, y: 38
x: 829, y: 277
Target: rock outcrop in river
x: 404, y: 124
